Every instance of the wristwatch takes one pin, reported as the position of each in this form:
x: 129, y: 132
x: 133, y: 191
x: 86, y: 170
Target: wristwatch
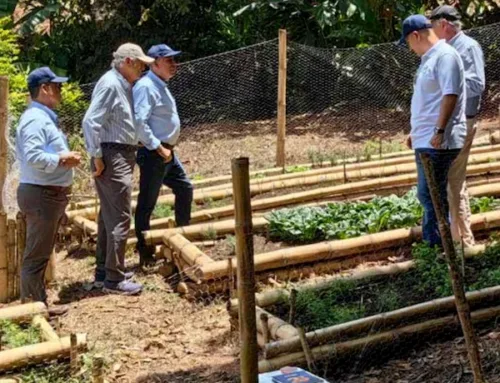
x: 438, y: 131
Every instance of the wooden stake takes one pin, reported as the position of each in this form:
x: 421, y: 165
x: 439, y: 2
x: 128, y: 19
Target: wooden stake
x: 245, y: 276
x: 266, y: 333
x: 73, y: 355
x: 21, y: 246
x: 46, y: 330
x: 11, y: 257
x: 98, y: 369
x: 50, y: 271
x: 457, y: 278
x: 293, y: 306
x: 4, y: 116
x: 4, y: 273
x: 280, y: 149
x: 306, y: 349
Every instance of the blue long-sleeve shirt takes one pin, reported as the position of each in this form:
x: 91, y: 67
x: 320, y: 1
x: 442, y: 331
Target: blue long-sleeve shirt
x: 155, y: 112
x: 39, y: 142
x: 473, y: 59
x: 110, y: 116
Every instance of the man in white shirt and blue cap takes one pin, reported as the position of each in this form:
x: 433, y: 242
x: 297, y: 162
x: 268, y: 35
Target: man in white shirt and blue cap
x: 159, y: 129
x: 446, y: 22
x: 438, y: 125
x: 46, y: 177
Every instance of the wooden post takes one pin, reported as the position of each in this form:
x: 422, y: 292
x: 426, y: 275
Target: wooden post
x: 306, y: 349
x: 11, y: 257
x: 98, y: 369
x: 73, y: 354
x: 266, y: 333
x: 4, y: 115
x: 280, y: 149
x: 245, y: 271
x: 293, y: 306
x: 4, y: 272
x: 21, y: 245
x: 457, y: 278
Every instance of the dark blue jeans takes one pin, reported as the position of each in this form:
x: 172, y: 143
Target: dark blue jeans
x: 155, y: 173
x: 441, y: 161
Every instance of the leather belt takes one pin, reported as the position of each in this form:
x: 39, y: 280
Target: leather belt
x: 117, y: 146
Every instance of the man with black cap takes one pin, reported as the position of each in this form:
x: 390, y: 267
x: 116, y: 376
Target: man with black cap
x: 437, y: 113
x: 446, y: 22
x: 46, y: 177
x: 159, y: 128
x: 111, y: 139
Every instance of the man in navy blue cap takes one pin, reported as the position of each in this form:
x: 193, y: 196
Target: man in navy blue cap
x: 46, y: 176
x: 158, y: 129
x: 437, y: 113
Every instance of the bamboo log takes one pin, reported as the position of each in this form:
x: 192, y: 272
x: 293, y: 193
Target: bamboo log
x: 457, y: 278
x: 47, y: 332
x: 50, y: 271
x: 11, y: 257
x: 306, y: 349
x: 281, y: 125
x: 200, y: 231
x: 378, y: 322
x: 4, y: 263
x: 23, y: 313
x: 89, y: 227
x: 278, y: 328
x: 39, y: 353
x: 351, y: 347
x: 246, y: 273
x: 266, y: 333
x: 21, y: 246
x: 189, y: 252
x: 4, y: 145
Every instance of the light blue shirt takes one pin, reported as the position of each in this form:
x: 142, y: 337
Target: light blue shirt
x: 441, y: 73
x: 473, y: 59
x: 110, y: 116
x: 155, y: 112
x: 38, y: 144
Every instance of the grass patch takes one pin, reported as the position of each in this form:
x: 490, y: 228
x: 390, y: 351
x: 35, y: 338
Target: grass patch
x: 297, y: 169
x: 162, y: 211
x: 14, y: 335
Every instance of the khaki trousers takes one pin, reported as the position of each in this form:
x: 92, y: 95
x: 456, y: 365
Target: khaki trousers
x: 458, y: 196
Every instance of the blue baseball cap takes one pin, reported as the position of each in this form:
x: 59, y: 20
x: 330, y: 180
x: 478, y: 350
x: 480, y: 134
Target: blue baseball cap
x: 43, y: 75
x: 162, y: 50
x: 414, y: 23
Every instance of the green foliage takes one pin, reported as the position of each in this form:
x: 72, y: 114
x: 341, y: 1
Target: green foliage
x: 162, y: 211
x: 483, y: 204
x: 297, y: 169
x: 372, y: 147
x: 14, y: 335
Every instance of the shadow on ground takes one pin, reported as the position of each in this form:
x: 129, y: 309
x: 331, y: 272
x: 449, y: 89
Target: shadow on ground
x: 204, y: 374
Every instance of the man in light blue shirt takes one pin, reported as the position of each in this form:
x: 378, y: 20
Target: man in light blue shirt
x: 438, y: 126
x: 158, y: 127
x: 446, y: 22
x: 111, y: 139
x: 46, y: 176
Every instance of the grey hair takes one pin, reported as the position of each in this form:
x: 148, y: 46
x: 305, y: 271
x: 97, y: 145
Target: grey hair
x: 117, y: 61
x: 456, y: 24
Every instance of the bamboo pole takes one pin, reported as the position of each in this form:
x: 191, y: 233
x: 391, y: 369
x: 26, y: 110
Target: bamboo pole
x: 47, y: 332
x: 246, y: 277
x: 23, y: 313
x: 280, y: 148
x: 4, y: 263
x: 189, y: 252
x: 4, y: 145
x: 11, y: 257
x: 266, y: 333
x: 21, y: 246
x: 351, y: 347
x: 73, y: 354
x: 456, y: 275
x: 50, y: 271
x: 378, y: 322
x: 39, y: 353
x: 306, y: 349
x: 293, y: 308
x: 278, y: 328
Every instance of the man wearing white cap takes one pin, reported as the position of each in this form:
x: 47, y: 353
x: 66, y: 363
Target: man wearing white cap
x: 111, y: 139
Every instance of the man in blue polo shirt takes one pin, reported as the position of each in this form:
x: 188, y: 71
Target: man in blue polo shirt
x: 158, y: 129
x: 46, y: 177
x: 438, y: 125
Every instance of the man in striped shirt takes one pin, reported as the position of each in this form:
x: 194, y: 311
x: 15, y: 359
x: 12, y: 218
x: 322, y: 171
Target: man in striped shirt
x: 111, y: 139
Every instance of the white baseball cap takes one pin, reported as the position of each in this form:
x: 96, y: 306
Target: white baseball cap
x: 132, y: 51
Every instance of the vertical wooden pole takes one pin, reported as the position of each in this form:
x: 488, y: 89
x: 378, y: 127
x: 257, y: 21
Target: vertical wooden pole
x: 266, y: 333
x: 11, y: 258
x: 73, y: 355
x: 457, y: 278
x: 245, y: 271
x: 280, y: 149
x: 4, y: 115
x: 4, y: 274
x: 21, y: 245
x: 98, y: 370
x: 293, y: 306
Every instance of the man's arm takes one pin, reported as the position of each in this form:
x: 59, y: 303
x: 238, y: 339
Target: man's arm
x: 476, y: 78
x: 95, y: 117
x: 143, y: 108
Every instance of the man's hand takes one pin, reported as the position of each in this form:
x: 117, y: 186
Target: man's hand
x: 408, y: 141
x: 165, y: 153
x: 70, y: 159
x: 437, y: 141
x: 99, y: 166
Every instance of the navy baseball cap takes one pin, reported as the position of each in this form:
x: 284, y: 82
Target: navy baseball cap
x: 43, y: 75
x: 414, y: 23
x: 162, y: 50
